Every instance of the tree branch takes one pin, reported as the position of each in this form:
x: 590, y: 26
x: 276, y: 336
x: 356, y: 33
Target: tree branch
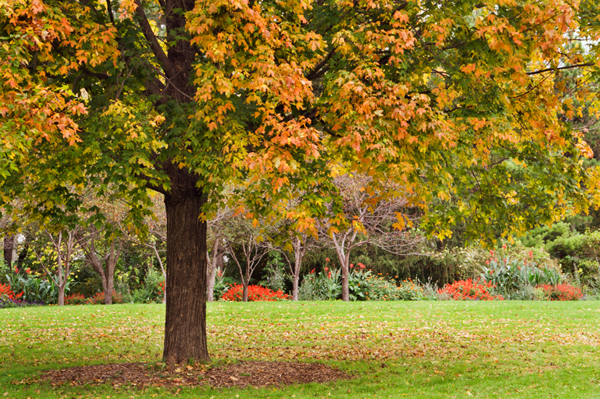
x: 320, y: 69
x: 110, y: 12
x: 587, y: 64
x: 151, y: 185
x: 164, y: 61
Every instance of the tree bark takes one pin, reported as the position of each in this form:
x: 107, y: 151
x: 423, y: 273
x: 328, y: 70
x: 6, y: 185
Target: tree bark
x: 104, y: 284
x: 185, y: 327
x: 210, y: 286
x: 62, y: 276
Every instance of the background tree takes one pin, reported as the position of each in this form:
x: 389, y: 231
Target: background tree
x: 292, y: 245
x: 294, y: 253
x: 9, y: 241
x: 246, y: 237
x: 56, y: 258
x: 217, y: 247
x: 102, y: 239
x: 104, y: 260
x: 371, y: 217
x: 157, y: 238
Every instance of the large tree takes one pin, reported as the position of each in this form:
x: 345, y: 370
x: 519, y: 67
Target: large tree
x: 181, y: 96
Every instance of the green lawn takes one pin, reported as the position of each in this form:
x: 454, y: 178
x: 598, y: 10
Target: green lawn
x: 413, y: 349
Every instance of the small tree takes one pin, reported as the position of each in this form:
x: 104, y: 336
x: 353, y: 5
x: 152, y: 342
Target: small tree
x: 59, y: 256
x: 103, y: 238
x: 156, y: 241
x: 215, y: 264
x: 371, y: 216
x: 9, y: 242
x: 246, y: 236
x: 103, y: 263
x: 293, y: 252
x: 218, y: 247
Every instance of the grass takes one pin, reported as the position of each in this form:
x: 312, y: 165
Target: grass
x: 396, y: 349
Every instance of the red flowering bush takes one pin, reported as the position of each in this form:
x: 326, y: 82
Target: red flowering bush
x: 255, y: 293
x: 98, y: 299
x: 5, y: 291
x: 561, y: 292
x: 469, y: 289
x: 75, y: 299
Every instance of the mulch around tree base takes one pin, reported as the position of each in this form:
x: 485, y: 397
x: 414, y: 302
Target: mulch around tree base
x: 243, y: 374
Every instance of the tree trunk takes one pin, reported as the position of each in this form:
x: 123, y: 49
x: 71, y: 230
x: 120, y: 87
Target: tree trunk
x: 61, y: 293
x: 298, y: 256
x: 444, y: 275
x: 104, y: 285
x: 61, y: 278
x: 185, y: 326
x: 345, y: 286
x: 212, y: 271
x: 9, y: 250
x: 106, y: 271
x: 108, y: 288
x: 295, y: 289
x: 164, y: 273
x: 344, y: 258
x: 22, y: 255
x: 210, y: 286
x: 576, y: 275
x: 111, y: 263
x: 245, y: 290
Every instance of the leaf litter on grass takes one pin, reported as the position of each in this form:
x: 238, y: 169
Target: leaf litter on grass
x: 498, y: 339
